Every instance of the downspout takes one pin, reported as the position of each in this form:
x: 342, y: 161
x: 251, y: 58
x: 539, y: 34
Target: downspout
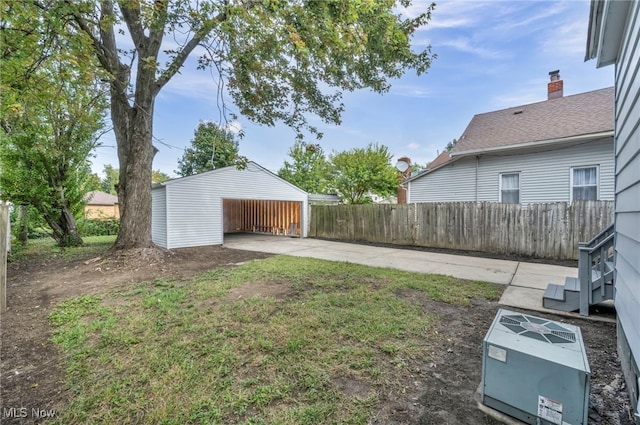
x: 477, y: 166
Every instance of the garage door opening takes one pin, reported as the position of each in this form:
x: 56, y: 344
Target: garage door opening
x: 267, y: 217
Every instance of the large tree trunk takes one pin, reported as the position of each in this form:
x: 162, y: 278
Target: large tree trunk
x: 133, y: 126
x: 132, y: 117
x: 63, y: 226
x: 134, y: 194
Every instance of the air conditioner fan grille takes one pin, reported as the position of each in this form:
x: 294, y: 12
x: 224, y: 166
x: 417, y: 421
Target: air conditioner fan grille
x: 539, y: 329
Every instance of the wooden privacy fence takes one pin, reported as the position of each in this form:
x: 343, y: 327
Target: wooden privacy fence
x: 550, y: 230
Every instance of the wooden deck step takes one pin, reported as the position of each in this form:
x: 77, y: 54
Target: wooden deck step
x: 558, y: 297
x: 554, y: 292
x: 572, y: 284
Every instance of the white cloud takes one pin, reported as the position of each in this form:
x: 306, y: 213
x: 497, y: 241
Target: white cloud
x: 567, y: 39
x: 515, y: 99
x: 413, y: 146
x: 541, y: 16
x: 191, y: 83
x: 530, y: 91
x: 410, y: 91
x: 452, y: 22
x: 452, y: 14
x: 234, y: 127
x: 465, y: 44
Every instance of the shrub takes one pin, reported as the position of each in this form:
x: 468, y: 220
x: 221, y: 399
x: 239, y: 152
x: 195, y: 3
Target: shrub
x: 93, y: 227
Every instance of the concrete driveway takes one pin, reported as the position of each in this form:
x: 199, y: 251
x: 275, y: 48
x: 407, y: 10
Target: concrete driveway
x: 525, y: 282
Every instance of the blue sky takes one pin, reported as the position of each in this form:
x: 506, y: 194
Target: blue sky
x: 491, y: 55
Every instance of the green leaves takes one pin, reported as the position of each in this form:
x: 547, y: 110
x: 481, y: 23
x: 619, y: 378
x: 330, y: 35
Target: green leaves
x: 284, y: 58
x: 360, y: 172
x: 279, y: 61
x: 110, y: 179
x: 212, y: 147
x: 355, y: 174
x: 55, y: 107
x: 309, y: 169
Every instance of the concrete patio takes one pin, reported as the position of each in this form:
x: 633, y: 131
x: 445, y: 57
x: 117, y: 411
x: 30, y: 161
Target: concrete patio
x: 525, y: 282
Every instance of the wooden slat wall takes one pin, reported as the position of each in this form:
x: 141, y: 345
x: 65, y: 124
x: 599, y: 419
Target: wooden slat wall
x: 539, y: 230
x: 275, y: 217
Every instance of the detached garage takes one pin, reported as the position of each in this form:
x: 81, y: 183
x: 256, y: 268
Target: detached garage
x: 198, y: 210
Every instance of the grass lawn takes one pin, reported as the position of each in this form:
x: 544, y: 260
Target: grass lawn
x: 212, y: 351
x: 46, y: 246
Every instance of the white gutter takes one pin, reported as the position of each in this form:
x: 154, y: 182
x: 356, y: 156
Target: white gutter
x: 608, y: 26
x: 581, y: 138
x: 593, y: 36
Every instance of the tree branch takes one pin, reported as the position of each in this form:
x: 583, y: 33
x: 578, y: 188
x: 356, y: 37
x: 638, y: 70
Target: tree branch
x: 131, y: 16
x: 104, y: 56
x: 156, y: 32
x: 181, y: 57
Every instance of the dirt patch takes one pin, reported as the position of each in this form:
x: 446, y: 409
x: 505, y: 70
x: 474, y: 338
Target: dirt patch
x: 451, y: 373
x: 31, y: 368
x: 436, y: 388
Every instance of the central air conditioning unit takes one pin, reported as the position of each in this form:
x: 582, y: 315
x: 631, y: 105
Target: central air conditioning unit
x: 535, y: 370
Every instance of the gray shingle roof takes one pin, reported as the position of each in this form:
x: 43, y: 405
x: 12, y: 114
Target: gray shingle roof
x: 96, y: 197
x: 581, y: 114
x: 443, y: 158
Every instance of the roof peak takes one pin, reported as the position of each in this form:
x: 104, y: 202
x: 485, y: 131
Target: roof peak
x: 560, y: 99
x: 556, y: 119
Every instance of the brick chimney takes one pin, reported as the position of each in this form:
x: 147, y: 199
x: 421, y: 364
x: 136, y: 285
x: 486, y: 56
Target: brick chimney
x: 554, y: 88
x: 405, y: 173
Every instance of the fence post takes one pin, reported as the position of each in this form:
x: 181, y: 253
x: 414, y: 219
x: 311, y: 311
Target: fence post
x: 413, y: 219
x: 5, y: 240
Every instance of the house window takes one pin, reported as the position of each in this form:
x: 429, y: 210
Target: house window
x: 584, y: 183
x: 510, y: 188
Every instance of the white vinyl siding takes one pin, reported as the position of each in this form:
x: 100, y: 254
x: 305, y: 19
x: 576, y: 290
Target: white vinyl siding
x: 627, y: 177
x: 544, y: 176
x: 584, y: 183
x: 510, y: 188
x: 451, y: 183
x: 194, y: 204
x: 194, y: 213
x: 159, y: 217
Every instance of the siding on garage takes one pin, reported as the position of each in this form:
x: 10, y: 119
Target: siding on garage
x: 194, y: 210
x: 627, y: 175
x: 159, y: 216
x: 544, y: 175
x: 195, y: 203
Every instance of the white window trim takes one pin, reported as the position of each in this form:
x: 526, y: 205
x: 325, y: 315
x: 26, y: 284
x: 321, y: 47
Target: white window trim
x: 578, y: 167
x: 519, y: 185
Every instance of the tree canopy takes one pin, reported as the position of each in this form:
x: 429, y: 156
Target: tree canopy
x: 51, y: 113
x: 451, y: 145
x: 211, y: 147
x: 309, y: 168
x: 110, y: 179
x: 279, y: 61
x: 158, y: 176
x: 359, y: 172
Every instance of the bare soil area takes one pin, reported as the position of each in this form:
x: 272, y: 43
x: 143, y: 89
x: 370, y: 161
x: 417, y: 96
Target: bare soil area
x: 439, y: 390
